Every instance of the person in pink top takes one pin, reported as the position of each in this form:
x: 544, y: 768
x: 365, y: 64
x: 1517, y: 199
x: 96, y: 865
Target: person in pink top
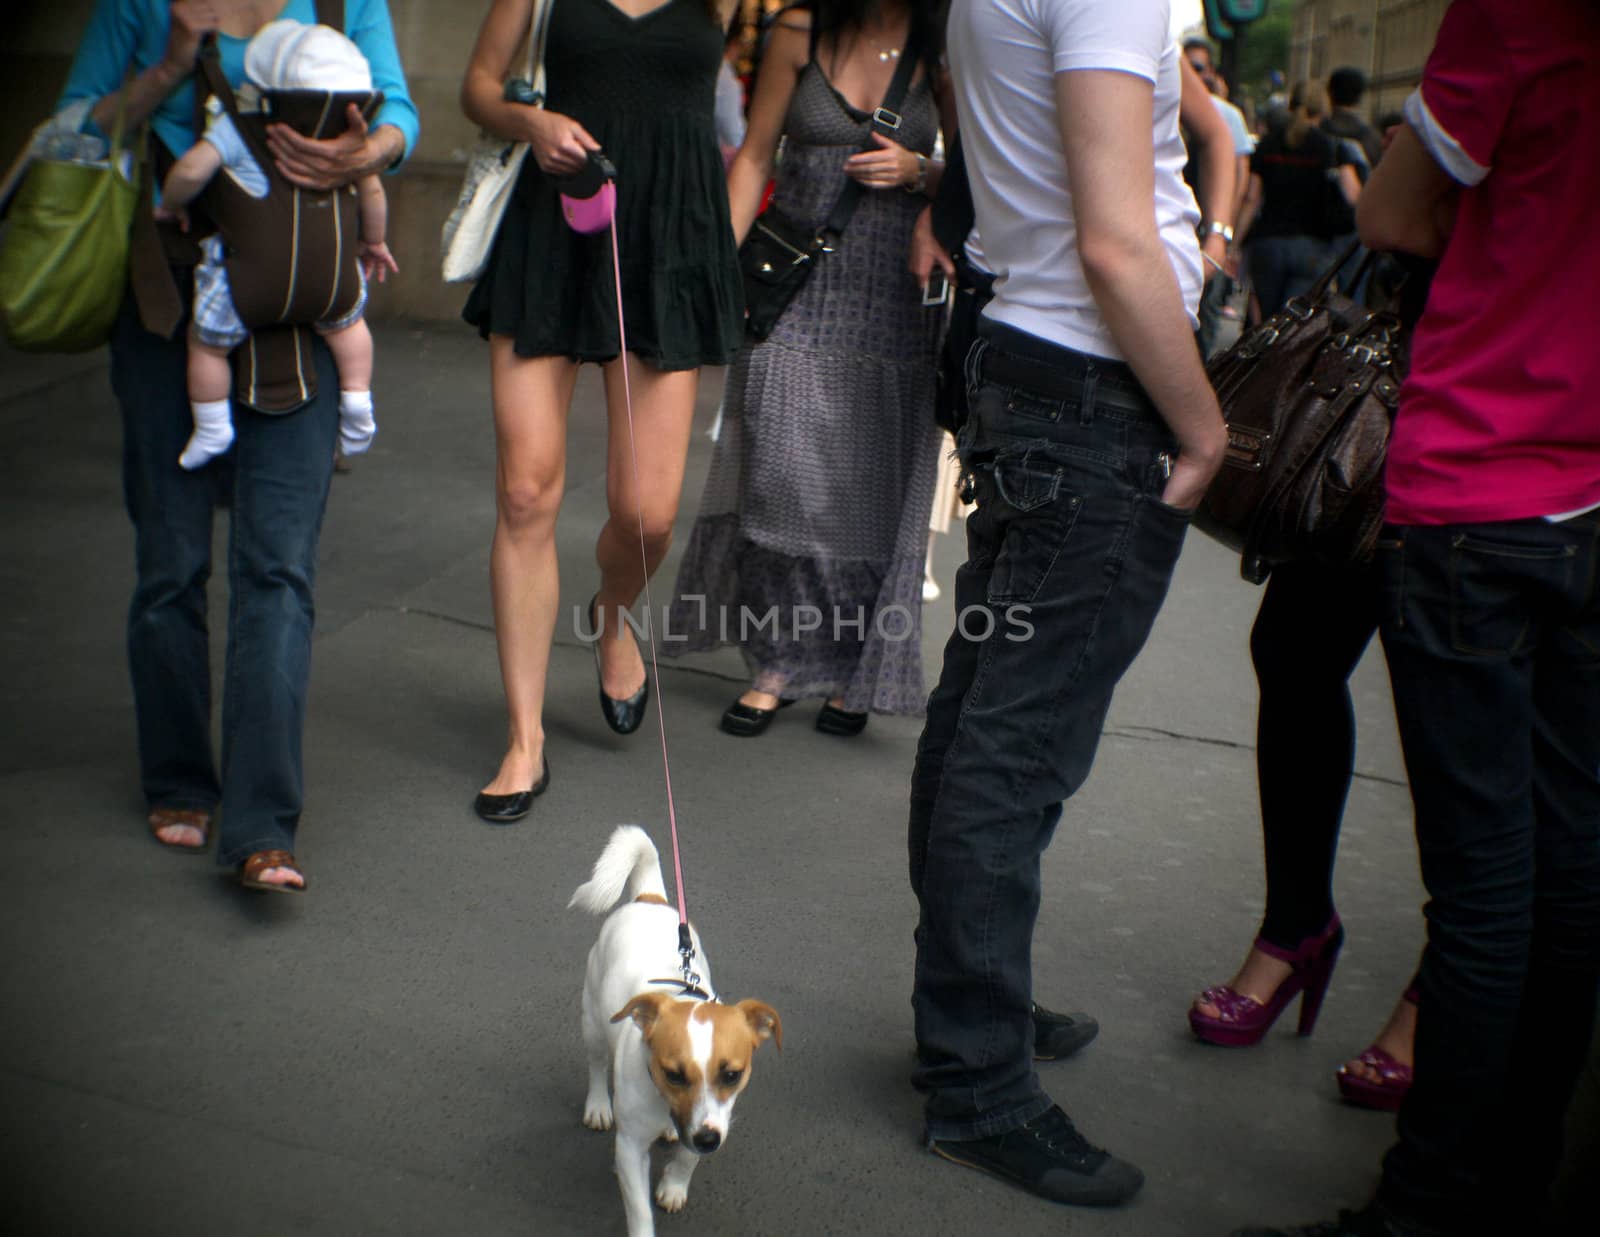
x: 1490, y: 567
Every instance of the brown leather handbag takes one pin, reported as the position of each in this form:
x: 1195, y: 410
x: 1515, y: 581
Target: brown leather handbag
x: 1309, y: 397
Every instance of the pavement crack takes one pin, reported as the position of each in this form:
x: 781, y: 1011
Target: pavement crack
x: 1155, y: 734
x: 446, y: 618
x: 457, y: 621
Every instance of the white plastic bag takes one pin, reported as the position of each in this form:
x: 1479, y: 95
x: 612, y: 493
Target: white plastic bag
x: 492, y: 169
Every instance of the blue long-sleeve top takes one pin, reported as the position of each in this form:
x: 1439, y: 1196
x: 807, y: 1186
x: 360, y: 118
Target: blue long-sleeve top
x: 133, y: 33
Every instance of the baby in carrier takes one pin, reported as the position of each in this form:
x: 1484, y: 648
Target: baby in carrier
x: 283, y: 56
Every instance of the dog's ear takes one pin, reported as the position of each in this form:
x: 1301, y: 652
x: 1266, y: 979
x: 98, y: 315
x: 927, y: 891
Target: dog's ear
x: 644, y: 1009
x: 763, y: 1020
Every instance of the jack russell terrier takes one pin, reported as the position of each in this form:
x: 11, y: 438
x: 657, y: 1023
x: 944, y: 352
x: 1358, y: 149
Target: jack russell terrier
x: 677, y: 1057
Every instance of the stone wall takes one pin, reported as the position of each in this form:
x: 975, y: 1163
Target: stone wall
x: 1388, y: 39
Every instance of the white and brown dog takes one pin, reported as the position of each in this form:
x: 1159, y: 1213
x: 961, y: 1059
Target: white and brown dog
x: 677, y: 1059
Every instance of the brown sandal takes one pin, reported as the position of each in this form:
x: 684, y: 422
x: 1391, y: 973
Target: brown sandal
x: 166, y: 817
x: 251, y: 869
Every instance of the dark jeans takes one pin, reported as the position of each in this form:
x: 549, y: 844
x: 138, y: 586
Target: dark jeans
x: 1313, y: 626
x: 1069, y: 555
x: 1283, y: 267
x: 280, y: 468
x: 1492, y: 632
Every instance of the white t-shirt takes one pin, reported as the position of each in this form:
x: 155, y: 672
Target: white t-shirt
x: 1243, y: 141
x: 1004, y: 55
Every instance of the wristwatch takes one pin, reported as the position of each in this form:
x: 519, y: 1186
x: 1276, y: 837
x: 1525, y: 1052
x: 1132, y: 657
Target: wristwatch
x: 920, y: 185
x: 1216, y: 228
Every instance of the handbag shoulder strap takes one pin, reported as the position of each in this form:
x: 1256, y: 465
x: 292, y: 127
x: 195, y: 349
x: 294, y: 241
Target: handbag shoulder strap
x: 886, y: 120
x: 215, y: 81
x: 538, y: 33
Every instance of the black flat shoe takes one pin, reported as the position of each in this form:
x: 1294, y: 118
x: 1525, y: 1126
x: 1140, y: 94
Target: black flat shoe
x: 836, y: 721
x: 746, y: 721
x: 623, y: 716
x: 504, y: 809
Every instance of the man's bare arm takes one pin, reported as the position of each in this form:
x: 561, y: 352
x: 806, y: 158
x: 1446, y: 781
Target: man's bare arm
x: 1106, y: 122
x: 1409, y: 202
x: 1213, y: 141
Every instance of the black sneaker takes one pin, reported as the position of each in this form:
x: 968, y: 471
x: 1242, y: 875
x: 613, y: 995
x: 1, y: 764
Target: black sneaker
x: 1373, y: 1220
x: 1048, y: 1157
x: 1058, y: 1036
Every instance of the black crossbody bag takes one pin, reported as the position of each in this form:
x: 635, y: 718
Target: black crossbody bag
x: 778, y: 255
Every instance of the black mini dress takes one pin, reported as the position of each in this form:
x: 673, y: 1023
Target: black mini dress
x: 645, y: 88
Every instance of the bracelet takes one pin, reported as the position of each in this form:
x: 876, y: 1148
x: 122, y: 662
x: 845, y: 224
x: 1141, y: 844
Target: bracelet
x: 1217, y: 228
x: 920, y: 185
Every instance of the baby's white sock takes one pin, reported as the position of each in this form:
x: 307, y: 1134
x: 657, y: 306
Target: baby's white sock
x: 356, y: 423
x: 213, y: 433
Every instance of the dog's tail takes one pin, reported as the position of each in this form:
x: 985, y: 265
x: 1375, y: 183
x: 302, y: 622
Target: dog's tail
x: 627, y: 867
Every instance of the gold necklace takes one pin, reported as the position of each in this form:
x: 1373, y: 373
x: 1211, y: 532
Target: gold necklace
x: 886, y: 54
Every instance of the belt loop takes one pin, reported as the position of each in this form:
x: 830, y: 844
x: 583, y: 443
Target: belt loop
x: 1091, y: 379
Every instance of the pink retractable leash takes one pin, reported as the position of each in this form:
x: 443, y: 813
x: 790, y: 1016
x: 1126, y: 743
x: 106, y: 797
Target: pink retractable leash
x: 589, y: 204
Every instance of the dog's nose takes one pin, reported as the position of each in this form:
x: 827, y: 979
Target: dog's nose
x: 706, y: 1141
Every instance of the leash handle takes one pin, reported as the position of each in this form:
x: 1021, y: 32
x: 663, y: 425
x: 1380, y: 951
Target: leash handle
x: 685, y: 947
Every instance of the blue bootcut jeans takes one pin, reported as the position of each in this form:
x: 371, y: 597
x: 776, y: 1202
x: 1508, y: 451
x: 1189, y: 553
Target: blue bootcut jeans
x: 1070, y: 552
x: 1492, y: 634
x: 278, y: 473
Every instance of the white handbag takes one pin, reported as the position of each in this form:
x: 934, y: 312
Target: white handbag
x: 492, y: 170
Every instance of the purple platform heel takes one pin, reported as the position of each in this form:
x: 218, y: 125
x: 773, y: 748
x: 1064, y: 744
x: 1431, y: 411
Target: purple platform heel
x: 1242, y: 1021
x: 1388, y: 1092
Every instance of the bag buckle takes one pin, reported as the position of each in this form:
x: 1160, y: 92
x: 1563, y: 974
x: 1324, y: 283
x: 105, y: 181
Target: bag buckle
x: 883, y: 116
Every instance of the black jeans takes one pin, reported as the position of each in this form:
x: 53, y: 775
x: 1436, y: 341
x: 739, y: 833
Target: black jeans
x: 280, y: 468
x: 1070, y: 553
x: 1313, y: 626
x: 1492, y: 632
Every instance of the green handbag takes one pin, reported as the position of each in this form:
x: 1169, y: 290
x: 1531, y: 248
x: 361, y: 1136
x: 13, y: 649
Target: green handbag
x: 64, y: 251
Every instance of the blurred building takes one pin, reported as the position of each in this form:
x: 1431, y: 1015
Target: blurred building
x: 1389, y: 40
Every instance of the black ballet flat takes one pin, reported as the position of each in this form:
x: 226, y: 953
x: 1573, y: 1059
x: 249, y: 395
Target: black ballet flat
x: 506, y: 809
x: 836, y: 721
x: 746, y: 721
x: 623, y: 716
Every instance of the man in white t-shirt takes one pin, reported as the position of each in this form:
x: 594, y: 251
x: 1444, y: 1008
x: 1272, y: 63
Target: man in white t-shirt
x: 1092, y: 435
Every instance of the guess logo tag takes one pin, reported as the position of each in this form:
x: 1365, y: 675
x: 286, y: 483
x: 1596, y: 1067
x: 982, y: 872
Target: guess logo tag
x: 1247, y: 448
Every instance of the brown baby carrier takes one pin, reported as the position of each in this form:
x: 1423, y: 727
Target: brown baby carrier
x: 292, y: 257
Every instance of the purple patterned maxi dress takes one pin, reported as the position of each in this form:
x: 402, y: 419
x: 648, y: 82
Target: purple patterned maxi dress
x: 816, y: 506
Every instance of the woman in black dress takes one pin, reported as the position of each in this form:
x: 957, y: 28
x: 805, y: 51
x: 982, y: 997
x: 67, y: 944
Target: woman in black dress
x: 638, y: 79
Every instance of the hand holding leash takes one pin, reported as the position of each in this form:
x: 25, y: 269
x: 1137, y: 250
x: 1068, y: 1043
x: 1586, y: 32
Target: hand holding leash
x: 559, y: 143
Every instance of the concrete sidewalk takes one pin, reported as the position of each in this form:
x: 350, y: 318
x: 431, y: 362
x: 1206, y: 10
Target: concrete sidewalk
x: 398, y: 1052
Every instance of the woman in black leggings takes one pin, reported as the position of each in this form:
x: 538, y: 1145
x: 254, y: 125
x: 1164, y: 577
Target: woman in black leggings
x: 1313, y: 626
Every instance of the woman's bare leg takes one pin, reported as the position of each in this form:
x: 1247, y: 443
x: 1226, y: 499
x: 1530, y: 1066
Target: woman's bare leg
x: 531, y: 396
x: 663, y: 410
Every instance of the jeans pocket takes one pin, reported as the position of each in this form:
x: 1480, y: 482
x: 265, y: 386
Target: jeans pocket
x: 1155, y: 484
x: 1490, y: 583
x: 1032, y: 518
